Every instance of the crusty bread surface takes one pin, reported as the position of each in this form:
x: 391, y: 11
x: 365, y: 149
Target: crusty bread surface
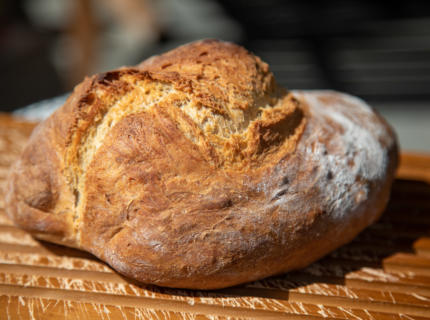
x: 195, y: 169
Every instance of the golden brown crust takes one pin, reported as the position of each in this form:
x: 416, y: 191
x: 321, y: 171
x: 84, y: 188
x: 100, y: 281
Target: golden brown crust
x: 196, y: 170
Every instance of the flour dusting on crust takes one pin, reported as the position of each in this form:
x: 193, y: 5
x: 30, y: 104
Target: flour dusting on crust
x: 347, y: 157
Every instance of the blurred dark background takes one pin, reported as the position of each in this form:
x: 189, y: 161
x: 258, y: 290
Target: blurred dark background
x: 377, y: 50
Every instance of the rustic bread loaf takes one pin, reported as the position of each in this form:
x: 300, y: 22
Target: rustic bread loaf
x: 195, y: 170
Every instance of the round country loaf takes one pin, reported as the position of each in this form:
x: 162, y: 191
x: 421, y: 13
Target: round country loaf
x: 195, y: 169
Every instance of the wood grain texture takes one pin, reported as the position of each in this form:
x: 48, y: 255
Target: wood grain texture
x: 382, y: 274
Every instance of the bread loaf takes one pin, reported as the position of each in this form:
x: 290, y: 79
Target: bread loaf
x: 196, y: 170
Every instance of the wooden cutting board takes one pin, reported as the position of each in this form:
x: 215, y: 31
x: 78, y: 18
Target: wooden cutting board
x: 383, y: 274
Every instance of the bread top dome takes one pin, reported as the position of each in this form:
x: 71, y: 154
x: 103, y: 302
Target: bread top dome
x: 221, y: 97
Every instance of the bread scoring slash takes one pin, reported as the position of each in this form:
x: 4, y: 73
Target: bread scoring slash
x: 196, y: 170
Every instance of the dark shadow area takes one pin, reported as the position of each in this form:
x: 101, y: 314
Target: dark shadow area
x: 63, y: 251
